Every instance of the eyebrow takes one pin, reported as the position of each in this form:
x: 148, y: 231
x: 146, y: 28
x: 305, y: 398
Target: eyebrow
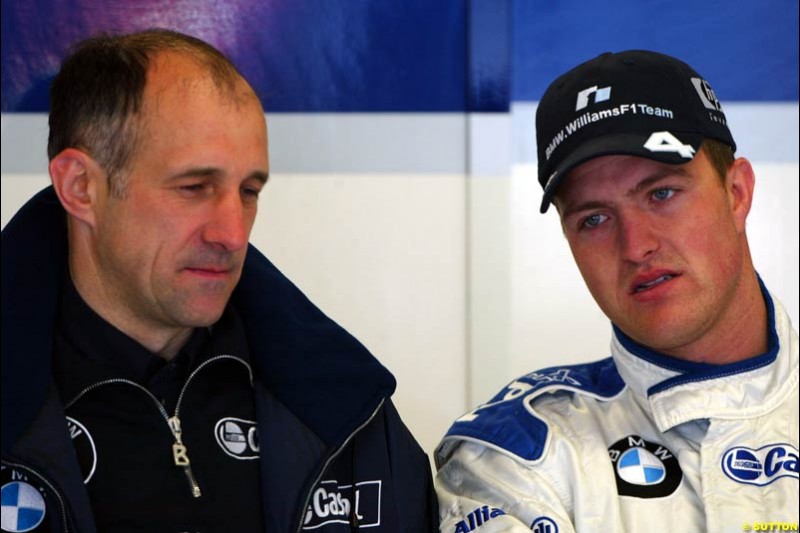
x: 657, y: 176
x: 642, y: 185
x: 210, y: 172
x: 263, y: 177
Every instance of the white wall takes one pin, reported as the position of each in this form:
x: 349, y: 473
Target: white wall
x: 384, y: 256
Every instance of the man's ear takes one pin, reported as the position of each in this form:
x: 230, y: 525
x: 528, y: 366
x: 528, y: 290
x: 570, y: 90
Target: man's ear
x: 740, y: 182
x: 78, y: 181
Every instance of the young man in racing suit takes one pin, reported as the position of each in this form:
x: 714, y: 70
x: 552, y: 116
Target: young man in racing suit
x: 692, y: 423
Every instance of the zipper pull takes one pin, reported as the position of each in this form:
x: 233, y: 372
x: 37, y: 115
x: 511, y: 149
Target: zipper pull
x: 180, y: 456
x: 178, y: 449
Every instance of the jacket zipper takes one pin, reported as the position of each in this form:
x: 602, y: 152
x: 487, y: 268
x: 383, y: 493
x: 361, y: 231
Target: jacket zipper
x: 331, y: 458
x: 62, y: 506
x: 180, y: 454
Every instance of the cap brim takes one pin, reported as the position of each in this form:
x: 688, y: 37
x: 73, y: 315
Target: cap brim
x: 617, y: 144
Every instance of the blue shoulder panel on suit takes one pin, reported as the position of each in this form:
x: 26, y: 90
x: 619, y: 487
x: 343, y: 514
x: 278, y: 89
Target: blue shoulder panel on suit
x: 507, y: 423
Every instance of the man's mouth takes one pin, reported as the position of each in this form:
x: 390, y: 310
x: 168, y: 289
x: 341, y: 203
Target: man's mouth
x: 209, y: 272
x: 646, y: 285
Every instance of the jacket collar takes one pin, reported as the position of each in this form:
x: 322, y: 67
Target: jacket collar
x: 678, y: 391
x: 319, y: 371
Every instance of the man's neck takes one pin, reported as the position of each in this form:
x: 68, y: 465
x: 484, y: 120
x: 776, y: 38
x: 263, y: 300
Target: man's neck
x: 162, y: 341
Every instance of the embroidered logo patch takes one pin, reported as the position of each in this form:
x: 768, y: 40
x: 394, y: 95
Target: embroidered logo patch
x: 238, y: 438
x: 544, y: 524
x: 761, y: 466
x: 24, y: 501
x: 644, y: 469
x: 84, y: 447
x: 332, y: 503
x: 477, y: 518
x: 23, y: 507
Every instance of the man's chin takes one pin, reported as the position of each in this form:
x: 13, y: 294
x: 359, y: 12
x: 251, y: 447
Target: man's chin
x: 206, y: 322
x: 663, y: 336
x: 202, y: 316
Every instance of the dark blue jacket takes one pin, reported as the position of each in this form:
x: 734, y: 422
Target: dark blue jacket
x: 322, y: 400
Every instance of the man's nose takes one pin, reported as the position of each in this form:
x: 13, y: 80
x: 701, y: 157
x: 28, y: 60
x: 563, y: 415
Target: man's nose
x: 638, y: 238
x: 227, y: 226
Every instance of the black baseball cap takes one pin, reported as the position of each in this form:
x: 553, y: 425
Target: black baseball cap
x: 637, y: 103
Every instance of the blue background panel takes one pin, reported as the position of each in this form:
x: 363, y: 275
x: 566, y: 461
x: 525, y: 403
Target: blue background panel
x: 747, y: 50
x: 418, y: 55
x: 489, y: 55
x: 299, y: 56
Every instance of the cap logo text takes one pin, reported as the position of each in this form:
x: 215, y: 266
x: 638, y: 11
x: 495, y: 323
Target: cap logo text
x: 590, y: 117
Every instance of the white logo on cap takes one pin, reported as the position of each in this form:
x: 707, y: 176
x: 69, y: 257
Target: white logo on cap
x: 600, y: 95
x: 664, y: 141
x: 706, y: 94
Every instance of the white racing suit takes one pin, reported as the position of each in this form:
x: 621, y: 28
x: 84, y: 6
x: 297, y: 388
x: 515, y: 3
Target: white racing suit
x: 638, y: 442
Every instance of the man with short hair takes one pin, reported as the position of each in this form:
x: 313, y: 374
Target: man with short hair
x: 692, y: 423
x: 159, y: 374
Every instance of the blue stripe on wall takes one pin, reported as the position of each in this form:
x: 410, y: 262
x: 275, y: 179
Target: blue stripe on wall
x: 747, y: 50
x: 314, y: 55
x: 489, y: 55
x: 419, y: 55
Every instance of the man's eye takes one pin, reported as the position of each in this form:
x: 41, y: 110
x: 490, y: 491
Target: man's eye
x: 193, y: 187
x: 592, y: 221
x: 251, y: 192
x: 662, y: 194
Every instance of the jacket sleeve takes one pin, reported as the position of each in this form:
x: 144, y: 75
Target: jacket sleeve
x: 411, y: 474
x: 479, y: 487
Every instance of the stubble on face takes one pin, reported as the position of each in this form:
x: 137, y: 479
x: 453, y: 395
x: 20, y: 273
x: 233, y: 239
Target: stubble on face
x: 668, y: 274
